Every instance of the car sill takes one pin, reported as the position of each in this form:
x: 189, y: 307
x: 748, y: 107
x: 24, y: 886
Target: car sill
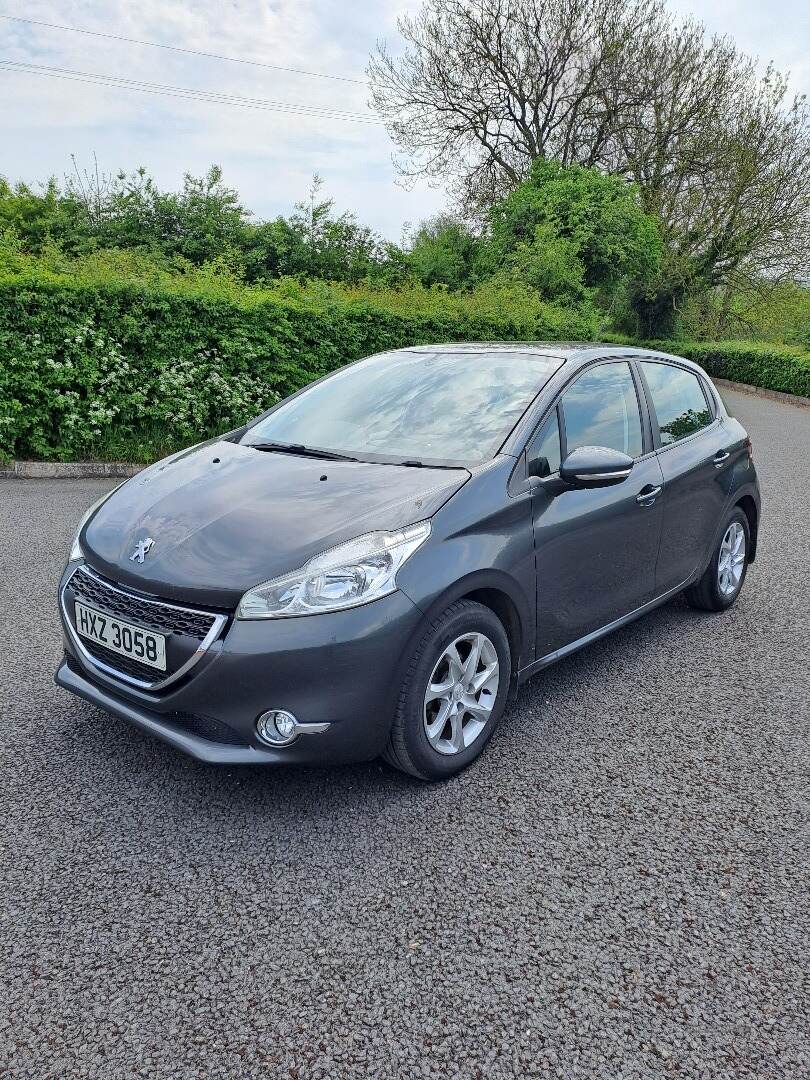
x: 595, y: 635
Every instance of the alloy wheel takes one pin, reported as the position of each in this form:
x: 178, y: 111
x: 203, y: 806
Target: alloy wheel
x: 731, y: 560
x: 461, y: 693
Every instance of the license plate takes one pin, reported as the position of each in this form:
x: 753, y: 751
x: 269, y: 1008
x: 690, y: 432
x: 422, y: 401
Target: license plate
x: 124, y: 638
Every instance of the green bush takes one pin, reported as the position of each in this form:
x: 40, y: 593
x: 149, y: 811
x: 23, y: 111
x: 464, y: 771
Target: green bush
x: 773, y: 367
x: 116, y: 356
x: 96, y: 364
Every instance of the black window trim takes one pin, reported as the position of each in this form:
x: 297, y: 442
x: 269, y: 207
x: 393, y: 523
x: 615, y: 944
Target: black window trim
x: 653, y: 416
x: 712, y: 396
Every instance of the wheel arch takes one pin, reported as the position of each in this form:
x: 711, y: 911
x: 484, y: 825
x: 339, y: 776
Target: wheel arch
x: 504, y: 607
x: 502, y: 596
x: 749, y: 507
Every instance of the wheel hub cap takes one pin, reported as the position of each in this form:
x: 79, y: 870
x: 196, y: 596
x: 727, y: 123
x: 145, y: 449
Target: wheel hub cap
x: 461, y: 693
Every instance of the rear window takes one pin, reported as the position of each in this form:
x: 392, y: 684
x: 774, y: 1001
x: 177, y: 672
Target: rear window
x: 678, y: 399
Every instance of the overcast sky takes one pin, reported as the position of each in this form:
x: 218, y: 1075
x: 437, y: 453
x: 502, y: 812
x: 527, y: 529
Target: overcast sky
x: 269, y: 157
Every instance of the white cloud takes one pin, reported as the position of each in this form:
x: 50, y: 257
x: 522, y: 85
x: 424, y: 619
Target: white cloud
x: 269, y: 157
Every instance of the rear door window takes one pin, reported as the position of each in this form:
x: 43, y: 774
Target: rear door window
x: 678, y: 400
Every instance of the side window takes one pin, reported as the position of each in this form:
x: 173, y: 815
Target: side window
x: 544, y: 449
x: 678, y: 400
x: 601, y: 409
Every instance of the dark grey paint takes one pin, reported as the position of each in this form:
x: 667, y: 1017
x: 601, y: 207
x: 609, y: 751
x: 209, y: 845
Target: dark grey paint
x: 227, y: 517
x: 596, y: 555
x: 561, y: 570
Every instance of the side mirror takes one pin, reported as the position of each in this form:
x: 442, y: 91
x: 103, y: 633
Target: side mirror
x: 595, y: 466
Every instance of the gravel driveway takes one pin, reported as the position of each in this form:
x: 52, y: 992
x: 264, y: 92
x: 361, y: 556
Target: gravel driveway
x: 618, y: 889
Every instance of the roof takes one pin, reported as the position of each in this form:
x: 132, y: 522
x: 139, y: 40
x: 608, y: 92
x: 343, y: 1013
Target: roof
x: 563, y: 350
x: 546, y: 348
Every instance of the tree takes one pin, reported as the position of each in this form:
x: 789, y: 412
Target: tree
x: 546, y: 263
x: 488, y: 86
x: 597, y: 219
x: 722, y: 158
x: 719, y: 155
x: 444, y: 251
x: 42, y: 217
x: 205, y: 220
x: 314, y: 242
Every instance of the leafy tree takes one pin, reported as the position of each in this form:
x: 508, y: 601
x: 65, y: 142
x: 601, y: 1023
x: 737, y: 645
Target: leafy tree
x: 313, y: 242
x: 760, y: 310
x: 208, y: 216
x: 276, y: 249
x: 199, y: 223
x: 444, y: 251
x: 721, y: 158
x: 719, y: 154
x: 547, y: 263
x: 42, y: 217
x: 582, y: 215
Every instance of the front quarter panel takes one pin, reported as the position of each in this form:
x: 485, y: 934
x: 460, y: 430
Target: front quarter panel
x: 480, y: 539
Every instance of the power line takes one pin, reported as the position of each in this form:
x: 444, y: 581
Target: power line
x: 179, y: 48
x: 189, y: 93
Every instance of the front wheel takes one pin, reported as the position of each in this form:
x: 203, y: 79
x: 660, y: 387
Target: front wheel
x: 453, y: 694
x: 723, y: 580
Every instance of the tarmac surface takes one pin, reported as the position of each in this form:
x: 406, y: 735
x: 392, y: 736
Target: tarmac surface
x: 618, y: 889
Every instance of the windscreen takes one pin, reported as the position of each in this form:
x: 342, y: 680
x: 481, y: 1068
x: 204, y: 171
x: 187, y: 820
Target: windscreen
x: 431, y: 407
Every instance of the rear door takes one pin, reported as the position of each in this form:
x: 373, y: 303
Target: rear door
x: 694, y: 459
x: 595, y: 550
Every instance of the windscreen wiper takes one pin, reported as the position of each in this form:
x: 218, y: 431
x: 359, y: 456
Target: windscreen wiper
x: 415, y: 463
x: 302, y: 451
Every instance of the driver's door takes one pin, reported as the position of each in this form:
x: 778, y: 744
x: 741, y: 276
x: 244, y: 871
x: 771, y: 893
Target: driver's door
x: 595, y: 549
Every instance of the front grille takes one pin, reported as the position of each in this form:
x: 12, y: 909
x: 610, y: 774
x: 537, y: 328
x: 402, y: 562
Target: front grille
x: 185, y: 630
x: 123, y: 663
x: 150, y: 613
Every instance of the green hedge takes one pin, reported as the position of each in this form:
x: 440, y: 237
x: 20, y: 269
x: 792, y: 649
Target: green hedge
x: 774, y: 367
x: 109, y: 369
x: 95, y: 365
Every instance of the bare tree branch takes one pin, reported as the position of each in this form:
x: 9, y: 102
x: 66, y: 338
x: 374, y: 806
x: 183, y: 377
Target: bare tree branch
x: 721, y: 155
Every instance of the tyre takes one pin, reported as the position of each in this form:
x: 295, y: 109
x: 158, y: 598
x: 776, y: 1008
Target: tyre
x: 721, y: 583
x: 453, y: 694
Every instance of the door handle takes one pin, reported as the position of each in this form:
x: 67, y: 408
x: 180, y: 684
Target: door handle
x: 720, y: 457
x: 648, y: 494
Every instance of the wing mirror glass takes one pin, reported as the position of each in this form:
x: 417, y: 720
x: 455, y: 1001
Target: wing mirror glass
x: 595, y: 466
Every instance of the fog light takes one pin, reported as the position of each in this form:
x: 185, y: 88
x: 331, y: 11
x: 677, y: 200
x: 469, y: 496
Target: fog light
x: 277, y: 727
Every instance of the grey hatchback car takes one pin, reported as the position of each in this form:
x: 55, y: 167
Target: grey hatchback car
x: 373, y: 565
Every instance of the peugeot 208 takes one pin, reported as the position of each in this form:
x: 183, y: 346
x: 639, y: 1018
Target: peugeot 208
x: 372, y: 565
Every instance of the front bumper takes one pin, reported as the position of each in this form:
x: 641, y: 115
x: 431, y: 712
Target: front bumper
x: 343, y: 669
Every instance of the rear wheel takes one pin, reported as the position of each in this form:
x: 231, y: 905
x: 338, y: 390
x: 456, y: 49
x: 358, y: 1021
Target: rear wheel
x: 723, y: 580
x: 453, y: 694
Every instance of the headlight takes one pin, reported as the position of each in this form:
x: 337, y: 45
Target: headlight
x: 76, y: 548
x: 354, y: 573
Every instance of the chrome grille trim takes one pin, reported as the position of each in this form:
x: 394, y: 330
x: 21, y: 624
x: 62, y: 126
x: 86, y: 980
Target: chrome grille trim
x: 113, y: 675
